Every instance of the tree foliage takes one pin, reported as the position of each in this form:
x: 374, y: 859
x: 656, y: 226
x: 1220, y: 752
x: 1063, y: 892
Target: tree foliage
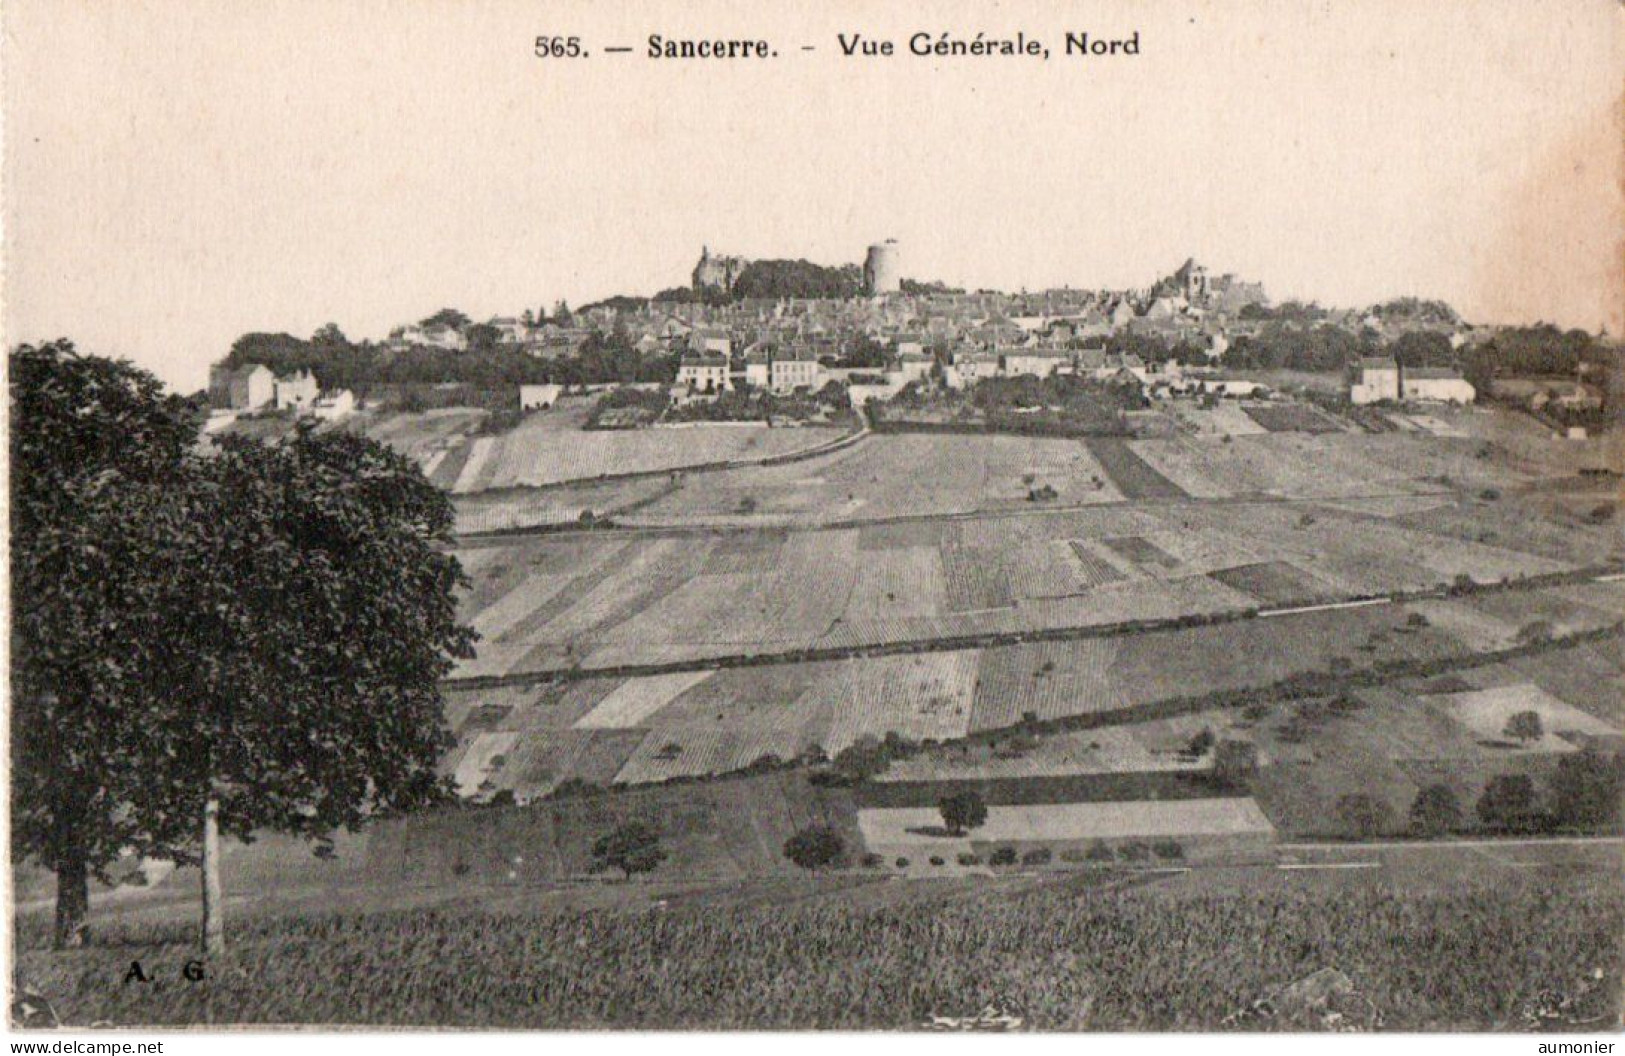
x: 1525, y: 726
x: 1587, y: 790
x: 631, y: 848
x: 1436, y: 810
x: 446, y: 317
x: 962, y: 811
x: 799, y: 279
x: 266, y: 626
x: 815, y: 847
x: 1363, y: 816
x: 1508, y: 802
x: 96, y: 449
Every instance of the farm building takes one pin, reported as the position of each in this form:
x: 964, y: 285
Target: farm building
x: 296, y: 391
x: 334, y: 405
x: 1384, y: 379
x: 1435, y: 383
x: 1379, y: 380
x: 244, y: 389
x: 538, y: 397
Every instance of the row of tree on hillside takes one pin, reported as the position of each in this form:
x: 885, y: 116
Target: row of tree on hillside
x: 602, y: 358
x: 1584, y: 795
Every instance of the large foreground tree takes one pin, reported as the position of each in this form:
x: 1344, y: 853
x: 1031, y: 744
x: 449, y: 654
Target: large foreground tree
x: 272, y: 663
x: 307, y: 629
x: 96, y: 448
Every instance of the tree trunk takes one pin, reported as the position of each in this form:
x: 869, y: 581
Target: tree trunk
x: 214, y: 924
x: 72, y: 900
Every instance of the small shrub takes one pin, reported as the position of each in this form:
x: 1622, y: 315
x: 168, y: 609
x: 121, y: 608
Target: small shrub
x: 1508, y: 802
x: 1037, y: 856
x: 1436, y: 811
x: 1074, y: 855
x: 1002, y: 856
x: 936, y: 859
x: 815, y: 847
x: 962, y: 811
x: 1168, y: 850
x: 970, y: 859
x: 873, y: 860
x: 1363, y: 816
x: 902, y: 863
x: 632, y: 848
x: 1535, y: 632
x: 1098, y: 852
x: 1134, y: 851
x: 1345, y: 704
x: 1525, y: 726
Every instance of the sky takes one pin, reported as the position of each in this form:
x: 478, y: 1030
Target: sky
x: 179, y: 173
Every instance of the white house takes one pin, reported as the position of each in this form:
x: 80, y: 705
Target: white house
x: 244, y: 389
x: 758, y: 365
x: 974, y: 366
x: 789, y: 371
x: 538, y: 397
x: 1041, y: 362
x: 698, y: 372
x: 296, y: 391
x: 510, y: 330
x: 913, y: 362
x: 1379, y: 380
x: 334, y: 405
x: 1385, y: 379
x: 711, y: 343
x: 1435, y: 383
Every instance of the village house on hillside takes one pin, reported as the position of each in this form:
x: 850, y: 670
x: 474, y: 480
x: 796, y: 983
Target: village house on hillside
x: 253, y: 387
x: 792, y: 369
x: 1382, y: 378
x: 241, y: 389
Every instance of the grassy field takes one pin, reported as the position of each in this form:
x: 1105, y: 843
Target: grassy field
x: 1093, y: 951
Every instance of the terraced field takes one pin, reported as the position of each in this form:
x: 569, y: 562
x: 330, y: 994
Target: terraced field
x: 893, y: 476
x: 708, y: 721
x: 1266, y: 519
x: 1134, y: 477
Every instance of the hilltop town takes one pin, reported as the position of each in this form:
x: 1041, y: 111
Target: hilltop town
x: 780, y: 328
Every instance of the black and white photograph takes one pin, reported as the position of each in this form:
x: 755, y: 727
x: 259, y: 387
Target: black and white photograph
x: 709, y: 516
